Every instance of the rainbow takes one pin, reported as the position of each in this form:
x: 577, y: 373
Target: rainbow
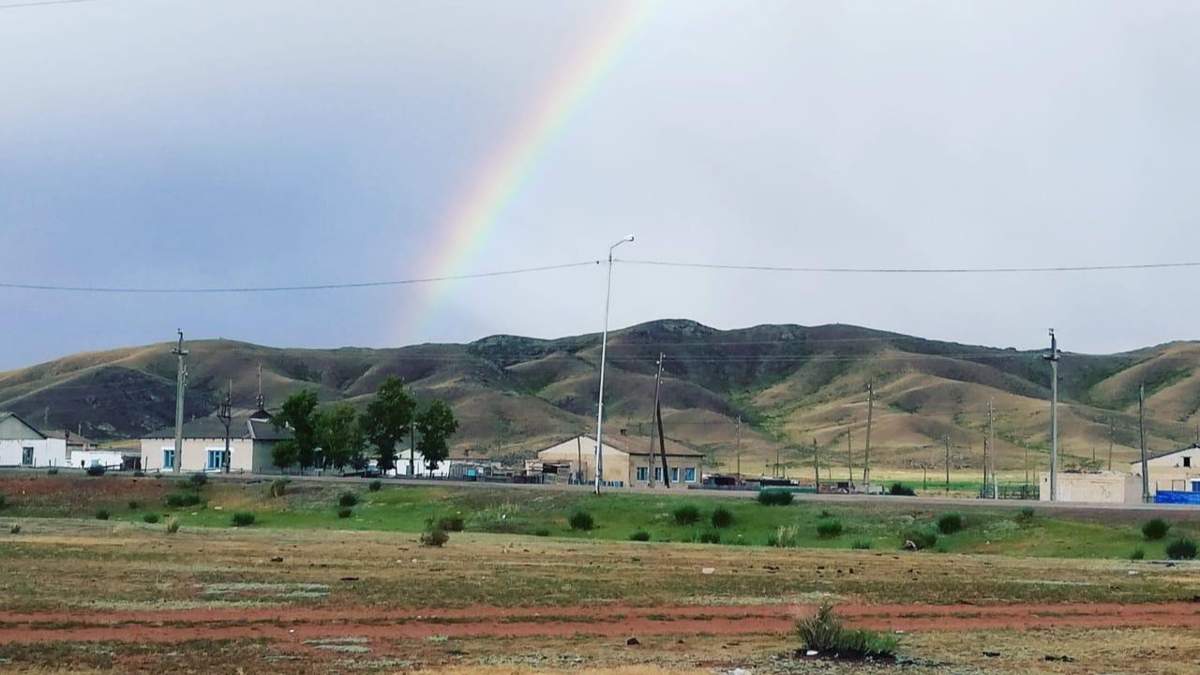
x: 464, y: 228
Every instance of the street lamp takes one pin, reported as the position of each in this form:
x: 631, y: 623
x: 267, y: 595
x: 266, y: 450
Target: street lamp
x: 603, y: 355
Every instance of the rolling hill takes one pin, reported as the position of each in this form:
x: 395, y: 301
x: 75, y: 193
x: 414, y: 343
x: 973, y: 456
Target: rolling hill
x: 789, y: 385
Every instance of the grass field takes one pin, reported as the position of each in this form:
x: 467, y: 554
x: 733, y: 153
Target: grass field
x: 303, y: 590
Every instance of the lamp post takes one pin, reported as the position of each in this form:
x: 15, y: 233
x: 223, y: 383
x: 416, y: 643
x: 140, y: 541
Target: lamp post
x: 599, y: 463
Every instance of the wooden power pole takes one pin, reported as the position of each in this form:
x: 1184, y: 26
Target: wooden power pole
x: 992, y: 450
x: 653, y: 416
x: 1142, y: 442
x: 817, y: 465
x: 947, y: 439
x: 867, y: 446
x: 849, y: 457
x: 1053, y: 357
x: 180, y: 387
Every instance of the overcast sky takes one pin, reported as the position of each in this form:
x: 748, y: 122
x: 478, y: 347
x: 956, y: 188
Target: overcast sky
x: 258, y: 142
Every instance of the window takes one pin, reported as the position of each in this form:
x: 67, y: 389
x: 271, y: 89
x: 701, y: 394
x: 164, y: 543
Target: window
x: 214, y: 459
x: 642, y: 473
x: 168, y: 459
x: 689, y: 474
x: 658, y: 473
x: 674, y: 474
x: 1187, y: 461
x: 27, y: 456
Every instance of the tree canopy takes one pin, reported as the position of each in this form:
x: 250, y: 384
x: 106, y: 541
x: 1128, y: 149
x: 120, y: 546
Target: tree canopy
x: 435, y: 424
x: 299, y: 415
x: 339, y: 434
x: 388, y: 419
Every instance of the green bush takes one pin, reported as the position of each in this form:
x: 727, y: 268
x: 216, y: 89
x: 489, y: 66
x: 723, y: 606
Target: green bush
x: 824, y: 633
x: 134, y: 505
x: 15, y: 529
x: 242, y: 519
x: 775, y: 497
x: 151, y: 518
x: 640, y: 535
x: 1155, y: 529
x: 198, y: 480
x: 709, y: 537
x: 541, y: 532
x: 182, y: 499
x: 3, y: 500
x: 921, y: 538
x: 375, y: 485
x: 1025, y: 515
x: 102, y: 514
x: 279, y: 487
x: 172, y: 526
x: 345, y: 512
x: 901, y: 490
x: 582, y: 520
x: 687, y: 514
x: 347, y: 499
x: 828, y: 529
x: 451, y: 523
x: 435, y: 537
x: 861, y: 544
x: 53, y: 471
x: 949, y: 523
x: 1181, y: 549
x: 721, y: 517
x: 1138, y: 554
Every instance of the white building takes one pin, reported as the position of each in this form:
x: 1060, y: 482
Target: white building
x: 250, y: 444
x: 1097, y: 487
x: 21, y: 444
x: 1178, y: 470
x: 626, y: 467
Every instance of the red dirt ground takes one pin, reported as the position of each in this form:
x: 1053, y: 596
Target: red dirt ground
x: 295, y: 625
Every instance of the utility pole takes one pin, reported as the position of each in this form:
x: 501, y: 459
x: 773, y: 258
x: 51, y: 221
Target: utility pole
x: 983, y: 491
x: 849, y: 456
x: 579, y: 459
x: 738, y: 449
x: 1142, y: 441
x: 817, y: 464
x: 412, y: 446
x: 947, y: 439
x: 260, y: 401
x: 225, y: 414
x: 1110, y: 443
x: 654, y: 413
x: 867, y: 447
x: 992, y: 450
x: 1053, y: 357
x: 603, y: 356
x: 180, y: 385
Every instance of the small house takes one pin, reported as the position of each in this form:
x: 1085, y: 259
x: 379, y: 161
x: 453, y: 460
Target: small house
x: 22, y: 444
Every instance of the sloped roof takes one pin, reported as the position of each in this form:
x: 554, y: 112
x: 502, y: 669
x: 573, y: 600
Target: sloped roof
x: 1160, y: 455
x: 266, y: 431
x: 5, y: 415
x: 205, y: 427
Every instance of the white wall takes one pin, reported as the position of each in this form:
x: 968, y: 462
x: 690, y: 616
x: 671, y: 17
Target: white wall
x: 195, y: 453
x: 90, y: 457
x: 46, y: 452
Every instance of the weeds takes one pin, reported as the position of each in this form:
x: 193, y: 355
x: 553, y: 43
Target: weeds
x: 1155, y: 529
x: 345, y: 512
x: 1138, y: 554
x: 918, y: 539
x: 828, y: 529
x: 182, y: 499
x: 824, y: 633
x: 949, y: 523
x: 861, y: 544
x: 102, y: 514
x: 1025, y: 515
x: 787, y: 536
x: 451, y: 523
x: 1181, y: 549
x: 775, y: 497
x: 434, y: 536
x: 541, y: 532
x: 582, y: 521
x: 709, y: 537
x: 198, y: 480
x: 687, y: 514
x: 150, y: 518
x: 134, y: 505
x: 375, y: 485
x: 243, y: 519
x: 640, y: 535
x: 347, y: 499
x: 279, y: 487
x: 15, y: 529
x: 172, y: 525
x: 721, y: 517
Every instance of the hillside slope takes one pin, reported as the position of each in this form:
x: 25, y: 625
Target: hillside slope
x: 788, y: 384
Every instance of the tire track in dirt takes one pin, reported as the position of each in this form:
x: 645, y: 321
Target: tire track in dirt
x: 300, y: 624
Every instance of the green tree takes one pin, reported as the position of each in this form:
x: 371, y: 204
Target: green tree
x: 339, y: 434
x: 434, y: 426
x: 387, y: 420
x: 299, y: 415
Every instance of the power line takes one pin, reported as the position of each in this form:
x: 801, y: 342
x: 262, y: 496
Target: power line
x: 20, y: 5
x: 284, y: 289
x: 911, y: 270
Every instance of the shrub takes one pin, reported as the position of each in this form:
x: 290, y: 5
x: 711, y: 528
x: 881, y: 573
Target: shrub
x: 640, y: 535
x: 198, y: 480
x: 279, y: 487
x: 710, y: 537
x: 787, y: 536
x: 134, y: 505
x: 434, y: 536
x: 582, y: 520
x: 1181, y: 549
x: 95, y: 470
x: 541, y: 532
x: 1138, y: 554
x: 949, y: 523
x: 151, y: 518
x: 102, y: 514
x: 181, y: 499
x: 375, y: 485
x: 15, y: 529
x: 242, y: 519
x: 722, y: 517
x: 824, y: 633
x: 451, y: 523
x: 828, y: 529
x: 861, y: 544
x: 901, y: 490
x: 775, y: 497
x: 347, y: 499
x: 825, y: 514
x: 3, y: 501
x: 345, y: 512
x: 172, y: 526
x: 1155, y: 529
x: 920, y: 538
x: 1025, y: 515
x: 52, y: 471
x: 686, y: 514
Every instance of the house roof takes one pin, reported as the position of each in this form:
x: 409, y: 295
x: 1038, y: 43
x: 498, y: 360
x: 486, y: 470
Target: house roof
x: 261, y: 430
x: 5, y: 415
x: 1194, y: 446
x: 74, y: 437
x: 610, y: 443
x: 213, y: 427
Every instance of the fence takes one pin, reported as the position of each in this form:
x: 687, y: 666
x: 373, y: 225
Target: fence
x: 1012, y: 491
